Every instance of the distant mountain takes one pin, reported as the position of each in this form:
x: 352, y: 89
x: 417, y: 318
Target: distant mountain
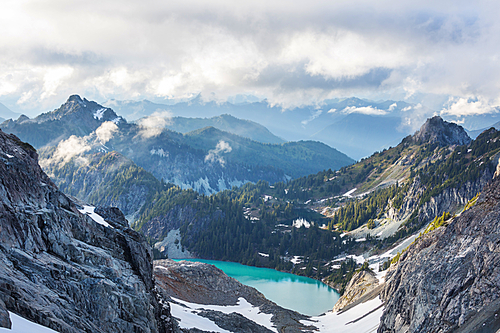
x: 360, y: 135
x: 309, y: 122
x: 227, y: 123
x: 474, y: 134
x: 133, y: 110
x: 6, y: 113
x: 207, y: 160
x: 75, y: 117
x: 295, y: 158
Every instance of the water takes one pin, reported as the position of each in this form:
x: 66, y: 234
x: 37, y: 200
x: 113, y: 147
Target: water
x: 304, y: 295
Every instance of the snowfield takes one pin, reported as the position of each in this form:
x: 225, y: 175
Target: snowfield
x: 364, y: 318
x: 187, y: 313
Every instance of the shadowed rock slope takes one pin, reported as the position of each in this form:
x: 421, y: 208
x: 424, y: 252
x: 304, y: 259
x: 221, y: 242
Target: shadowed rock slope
x: 449, y: 279
x: 62, y: 269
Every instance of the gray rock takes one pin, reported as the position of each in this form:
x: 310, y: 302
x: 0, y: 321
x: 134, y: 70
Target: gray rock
x: 436, y: 130
x: 4, y: 316
x: 63, y: 270
x: 361, y: 284
x: 449, y: 277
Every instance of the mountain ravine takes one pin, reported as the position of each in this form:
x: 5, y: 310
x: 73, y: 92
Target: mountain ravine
x: 62, y: 269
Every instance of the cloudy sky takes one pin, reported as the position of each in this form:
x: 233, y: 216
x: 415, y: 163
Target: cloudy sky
x: 444, y: 54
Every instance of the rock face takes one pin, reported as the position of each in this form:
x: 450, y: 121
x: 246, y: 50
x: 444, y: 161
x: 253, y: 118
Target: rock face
x: 436, y: 130
x: 205, y: 284
x: 62, y: 269
x: 449, y: 279
x: 362, y: 284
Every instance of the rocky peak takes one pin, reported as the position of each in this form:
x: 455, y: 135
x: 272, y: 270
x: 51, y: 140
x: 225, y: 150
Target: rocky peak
x: 436, y: 130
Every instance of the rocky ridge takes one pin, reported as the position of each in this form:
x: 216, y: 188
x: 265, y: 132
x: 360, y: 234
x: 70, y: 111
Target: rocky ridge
x: 448, y: 280
x: 62, y: 269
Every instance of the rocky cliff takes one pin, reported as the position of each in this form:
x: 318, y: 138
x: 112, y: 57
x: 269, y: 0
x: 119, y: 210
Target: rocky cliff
x: 449, y: 279
x: 363, y: 286
x: 63, y: 269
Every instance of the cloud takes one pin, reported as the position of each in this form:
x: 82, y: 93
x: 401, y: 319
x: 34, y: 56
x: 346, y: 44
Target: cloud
x: 368, y: 110
x: 290, y: 53
x: 313, y: 116
x: 214, y: 154
x: 106, y: 131
x: 66, y: 150
x: 464, y: 106
x: 154, y: 124
x: 393, y: 106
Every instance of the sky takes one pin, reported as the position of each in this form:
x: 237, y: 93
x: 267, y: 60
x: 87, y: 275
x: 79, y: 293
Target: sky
x: 443, y: 54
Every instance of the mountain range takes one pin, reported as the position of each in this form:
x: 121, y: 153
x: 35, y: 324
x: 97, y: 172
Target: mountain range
x: 208, y: 159
x: 76, y: 268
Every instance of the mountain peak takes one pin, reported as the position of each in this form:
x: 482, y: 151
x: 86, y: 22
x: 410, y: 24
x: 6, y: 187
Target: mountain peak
x: 437, y: 130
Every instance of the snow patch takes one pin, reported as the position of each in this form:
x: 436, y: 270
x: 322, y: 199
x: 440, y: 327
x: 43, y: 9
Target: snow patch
x: 98, y: 114
x: 348, y: 194
x: 22, y: 325
x: 189, y: 314
x: 301, y: 222
x: 350, y: 321
x: 159, y: 152
x: 296, y: 260
x: 89, y: 210
x: 264, y: 255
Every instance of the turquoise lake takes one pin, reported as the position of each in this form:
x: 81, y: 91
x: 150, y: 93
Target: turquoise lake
x: 304, y: 295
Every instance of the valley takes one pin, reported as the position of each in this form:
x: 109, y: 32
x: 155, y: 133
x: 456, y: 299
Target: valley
x: 214, y: 195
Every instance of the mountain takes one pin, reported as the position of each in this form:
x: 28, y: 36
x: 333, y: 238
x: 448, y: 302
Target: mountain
x: 387, y: 122
x: 361, y: 135
x: 378, y: 201
x: 6, y: 113
x: 447, y: 280
x: 67, y: 266
x: 227, y: 123
x: 201, y: 160
x: 475, y: 133
x: 77, y: 117
x: 435, y: 130
x: 295, y: 158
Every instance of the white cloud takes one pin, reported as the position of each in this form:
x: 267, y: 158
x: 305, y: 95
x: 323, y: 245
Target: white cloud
x: 290, y: 53
x: 154, y: 124
x: 369, y: 110
x: 464, y: 106
x: 106, y: 131
x: 393, y: 106
x: 67, y: 149
x: 214, y: 154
